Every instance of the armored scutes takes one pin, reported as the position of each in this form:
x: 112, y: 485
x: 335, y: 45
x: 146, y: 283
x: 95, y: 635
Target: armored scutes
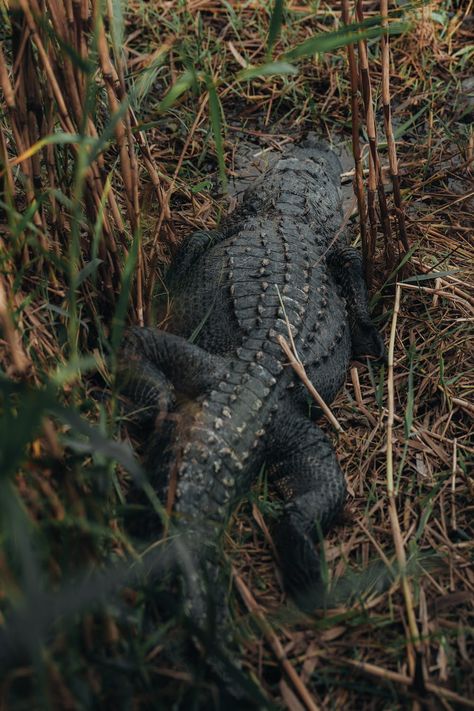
x: 216, y: 384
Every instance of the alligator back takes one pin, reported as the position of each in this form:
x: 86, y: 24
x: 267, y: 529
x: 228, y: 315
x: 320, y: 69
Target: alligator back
x: 264, y: 274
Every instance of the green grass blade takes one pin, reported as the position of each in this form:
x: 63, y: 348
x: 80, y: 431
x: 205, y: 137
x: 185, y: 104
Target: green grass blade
x: 275, y: 25
x: 267, y: 70
x: 90, y: 268
x: 117, y: 27
x: 182, y: 84
x: 23, y: 411
x: 147, y: 79
x: 118, y: 321
x: 215, y: 116
x: 329, y: 41
x: 107, y: 135
x: 429, y: 276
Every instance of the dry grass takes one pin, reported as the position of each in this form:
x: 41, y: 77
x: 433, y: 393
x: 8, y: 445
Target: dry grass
x: 398, y: 629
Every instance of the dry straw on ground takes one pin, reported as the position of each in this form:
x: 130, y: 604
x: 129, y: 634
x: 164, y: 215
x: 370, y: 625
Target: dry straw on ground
x: 398, y: 630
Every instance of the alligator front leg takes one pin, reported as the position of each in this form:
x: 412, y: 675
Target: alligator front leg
x: 189, y: 252
x: 346, y: 265
x: 310, y: 482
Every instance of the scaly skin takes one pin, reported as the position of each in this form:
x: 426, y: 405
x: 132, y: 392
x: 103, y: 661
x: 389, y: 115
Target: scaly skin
x: 235, y: 404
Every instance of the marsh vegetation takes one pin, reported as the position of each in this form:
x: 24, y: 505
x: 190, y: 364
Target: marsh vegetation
x: 120, y: 128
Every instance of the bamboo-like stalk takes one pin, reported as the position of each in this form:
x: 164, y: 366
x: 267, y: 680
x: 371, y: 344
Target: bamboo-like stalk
x: 18, y: 356
x: 111, y: 81
x: 8, y: 182
x: 63, y: 97
x: 135, y: 205
x: 414, y: 640
x: 115, y: 86
x: 64, y: 114
x: 358, y: 178
x: 17, y: 114
x: 372, y: 135
x: 65, y: 86
x: 56, y: 12
x: 387, y: 114
x: 93, y: 180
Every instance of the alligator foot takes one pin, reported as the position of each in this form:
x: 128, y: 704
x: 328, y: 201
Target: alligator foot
x: 308, y: 478
x: 366, y: 340
x: 346, y: 265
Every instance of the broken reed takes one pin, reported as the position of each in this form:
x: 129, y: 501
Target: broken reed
x: 361, y: 85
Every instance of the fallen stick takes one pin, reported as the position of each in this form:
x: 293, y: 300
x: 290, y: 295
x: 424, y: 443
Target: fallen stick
x: 415, y: 649
x: 396, y: 677
x: 301, y: 373
x: 274, y: 643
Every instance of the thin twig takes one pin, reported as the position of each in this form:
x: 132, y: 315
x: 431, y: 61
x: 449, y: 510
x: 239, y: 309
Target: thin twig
x: 398, y: 678
x: 358, y: 178
x: 274, y: 642
x: 375, y: 172
x: 387, y: 114
x: 301, y: 373
x: 396, y: 531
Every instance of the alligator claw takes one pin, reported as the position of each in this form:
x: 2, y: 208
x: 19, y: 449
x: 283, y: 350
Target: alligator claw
x: 367, y: 341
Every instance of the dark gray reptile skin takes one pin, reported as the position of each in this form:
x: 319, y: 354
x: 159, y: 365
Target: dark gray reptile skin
x: 226, y: 404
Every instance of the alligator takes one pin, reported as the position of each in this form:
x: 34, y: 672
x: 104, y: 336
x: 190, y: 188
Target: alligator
x: 215, y: 386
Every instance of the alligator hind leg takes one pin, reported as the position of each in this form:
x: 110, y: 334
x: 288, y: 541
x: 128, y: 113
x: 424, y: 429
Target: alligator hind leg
x: 311, y: 484
x: 189, y: 252
x: 156, y: 367
x: 153, y: 366
x: 191, y: 369
x: 146, y: 393
x: 346, y: 265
